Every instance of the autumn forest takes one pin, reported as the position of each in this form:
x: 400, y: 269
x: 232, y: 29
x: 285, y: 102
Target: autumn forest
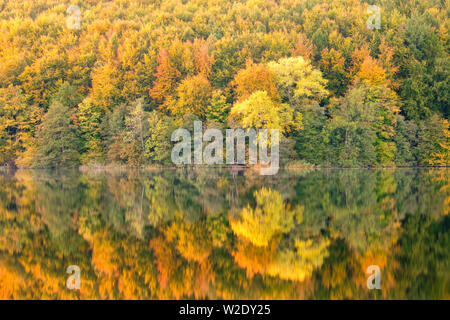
x: 91, y: 92
x: 113, y: 90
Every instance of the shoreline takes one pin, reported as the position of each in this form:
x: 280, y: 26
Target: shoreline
x: 203, y: 167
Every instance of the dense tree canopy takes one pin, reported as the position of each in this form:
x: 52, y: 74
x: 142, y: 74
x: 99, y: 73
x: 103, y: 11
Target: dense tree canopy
x: 179, y: 59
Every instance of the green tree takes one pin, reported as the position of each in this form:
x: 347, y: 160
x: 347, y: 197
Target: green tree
x: 362, y: 128
x: 219, y: 108
x: 136, y: 132
x: 58, y: 144
x: 350, y: 137
x: 433, y: 146
x: 158, y: 145
x: 424, y: 70
x: 89, y: 118
x: 113, y: 129
x: 310, y: 145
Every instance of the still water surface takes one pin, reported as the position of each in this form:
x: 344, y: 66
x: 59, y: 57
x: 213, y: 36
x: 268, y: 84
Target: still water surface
x: 209, y: 234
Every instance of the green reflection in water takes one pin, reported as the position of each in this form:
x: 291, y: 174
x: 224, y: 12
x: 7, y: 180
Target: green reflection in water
x: 217, y: 234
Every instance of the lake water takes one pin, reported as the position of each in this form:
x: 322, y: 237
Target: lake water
x: 218, y: 234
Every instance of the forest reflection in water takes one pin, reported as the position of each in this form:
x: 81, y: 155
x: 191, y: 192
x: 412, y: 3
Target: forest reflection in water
x: 210, y: 234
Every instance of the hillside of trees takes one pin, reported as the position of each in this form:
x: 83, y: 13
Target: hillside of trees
x: 112, y: 91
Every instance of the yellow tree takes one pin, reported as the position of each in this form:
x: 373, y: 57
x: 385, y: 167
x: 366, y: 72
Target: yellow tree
x: 298, y: 263
x: 297, y: 80
x: 106, y: 86
x: 372, y: 72
x: 262, y: 227
x: 193, y: 241
x: 255, y: 77
x: 261, y: 112
x: 270, y: 217
x: 332, y: 65
x: 193, y: 96
x: 18, y: 122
